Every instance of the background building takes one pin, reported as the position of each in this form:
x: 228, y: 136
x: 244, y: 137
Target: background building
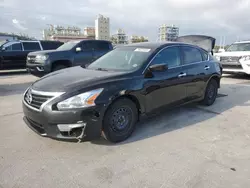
x: 136, y: 39
x: 102, y: 30
x: 168, y: 33
x: 64, y: 34
x: 89, y: 31
x: 120, y: 37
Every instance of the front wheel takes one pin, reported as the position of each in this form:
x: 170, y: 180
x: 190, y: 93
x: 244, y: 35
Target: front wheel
x: 120, y: 120
x: 210, y: 93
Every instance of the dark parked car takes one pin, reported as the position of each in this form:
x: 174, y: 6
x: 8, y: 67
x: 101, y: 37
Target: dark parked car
x: 73, y: 53
x: 110, y: 95
x: 13, y: 54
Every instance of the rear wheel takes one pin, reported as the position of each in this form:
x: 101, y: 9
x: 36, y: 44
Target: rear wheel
x: 120, y: 120
x: 59, y: 67
x: 210, y: 93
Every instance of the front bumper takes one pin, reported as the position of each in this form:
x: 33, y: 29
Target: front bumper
x: 82, y: 124
x: 38, y: 69
x: 239, y: 67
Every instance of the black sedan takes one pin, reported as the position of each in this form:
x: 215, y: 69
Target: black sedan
x: 110, y: 95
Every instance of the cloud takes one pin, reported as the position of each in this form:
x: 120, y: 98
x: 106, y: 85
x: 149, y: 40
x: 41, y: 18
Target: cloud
x: 18, y: 25
x: 211, y: 17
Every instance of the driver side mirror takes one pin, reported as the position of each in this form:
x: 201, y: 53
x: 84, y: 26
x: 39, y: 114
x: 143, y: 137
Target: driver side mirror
x: 78, y: 49
x: 158, y: 68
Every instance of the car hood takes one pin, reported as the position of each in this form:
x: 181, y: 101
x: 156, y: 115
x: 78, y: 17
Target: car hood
x: 46, y: 52
x: 205, y: 42
x: 238, y: 53
x: 74, y: 78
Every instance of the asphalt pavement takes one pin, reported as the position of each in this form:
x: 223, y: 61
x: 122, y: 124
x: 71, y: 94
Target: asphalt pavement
x: 191, y: 147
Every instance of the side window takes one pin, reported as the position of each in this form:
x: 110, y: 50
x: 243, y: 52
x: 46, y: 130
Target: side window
x: 8, y: 48
x: 204, y: 55
x: 47, y: 45
x: 16, y: 47
x: 191, y: 55
x: 31, y: 46
x: 169, y: 56
x: 102, y: 46
x: 87, y: 46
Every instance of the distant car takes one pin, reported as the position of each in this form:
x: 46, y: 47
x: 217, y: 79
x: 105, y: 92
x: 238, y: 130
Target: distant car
x: 236, y: 58
x: 13, y: 54
x: 73, y: 53
x: 110, y: 95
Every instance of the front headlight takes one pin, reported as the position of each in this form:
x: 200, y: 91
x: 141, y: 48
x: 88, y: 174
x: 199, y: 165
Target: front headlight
x: 245, y: 58
x: 41, y: 57
x: 83, y: 100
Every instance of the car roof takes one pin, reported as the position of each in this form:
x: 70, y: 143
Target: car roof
x: 152, y: 45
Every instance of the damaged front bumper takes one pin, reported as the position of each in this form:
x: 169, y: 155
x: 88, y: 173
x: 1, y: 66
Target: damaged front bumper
x: 77, y: 125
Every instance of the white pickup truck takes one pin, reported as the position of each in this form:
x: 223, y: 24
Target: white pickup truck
x: 236, y: 58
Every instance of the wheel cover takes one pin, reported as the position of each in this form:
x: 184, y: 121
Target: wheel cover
x: 211, y: 92
x: 121, y: 118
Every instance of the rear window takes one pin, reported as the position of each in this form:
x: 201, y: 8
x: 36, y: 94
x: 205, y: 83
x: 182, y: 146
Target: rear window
x: 31, y: 46
x: 48, y: 45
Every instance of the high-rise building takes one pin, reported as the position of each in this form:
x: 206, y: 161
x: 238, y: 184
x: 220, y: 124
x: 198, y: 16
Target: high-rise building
x: 168, y: 33
x: 102, y: 30
x: 120, y: 37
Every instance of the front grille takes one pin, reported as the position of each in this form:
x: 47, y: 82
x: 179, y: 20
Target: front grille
x: 35, y: 100
x: 232, y: 67
x: 230, y: 59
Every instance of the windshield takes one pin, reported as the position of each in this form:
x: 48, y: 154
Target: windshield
x: 238, y: 47
x: 122, y: 59
x: 68, y: 46
x: 2, y: 42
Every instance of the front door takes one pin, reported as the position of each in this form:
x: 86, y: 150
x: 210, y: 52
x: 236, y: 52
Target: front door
x: 167, y: 87
x: 85, y: 55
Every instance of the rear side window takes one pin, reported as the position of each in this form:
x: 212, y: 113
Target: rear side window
x: 191, y: 55
x: 16, y: 47
x: 102, y: 46
x: 47, y: 45
x: 31, y: 46
x: 204, y: 55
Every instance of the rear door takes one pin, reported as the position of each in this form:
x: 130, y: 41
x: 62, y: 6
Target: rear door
x: 195, y: 66
x: 12, y: 56
x: 101, y: 48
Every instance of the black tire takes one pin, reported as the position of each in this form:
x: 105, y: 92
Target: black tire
x: 120, y: 120
x: 210, y: 93
x: 59, y: 67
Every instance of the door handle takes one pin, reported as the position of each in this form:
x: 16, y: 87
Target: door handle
x: 182, y: 75
x: 207, y: 67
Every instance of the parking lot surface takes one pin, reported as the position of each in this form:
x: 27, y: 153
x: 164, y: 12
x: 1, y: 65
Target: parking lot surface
x: 191, y: 146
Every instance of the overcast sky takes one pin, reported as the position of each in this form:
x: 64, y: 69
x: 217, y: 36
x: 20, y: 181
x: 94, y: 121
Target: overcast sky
x: 230, y: 18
